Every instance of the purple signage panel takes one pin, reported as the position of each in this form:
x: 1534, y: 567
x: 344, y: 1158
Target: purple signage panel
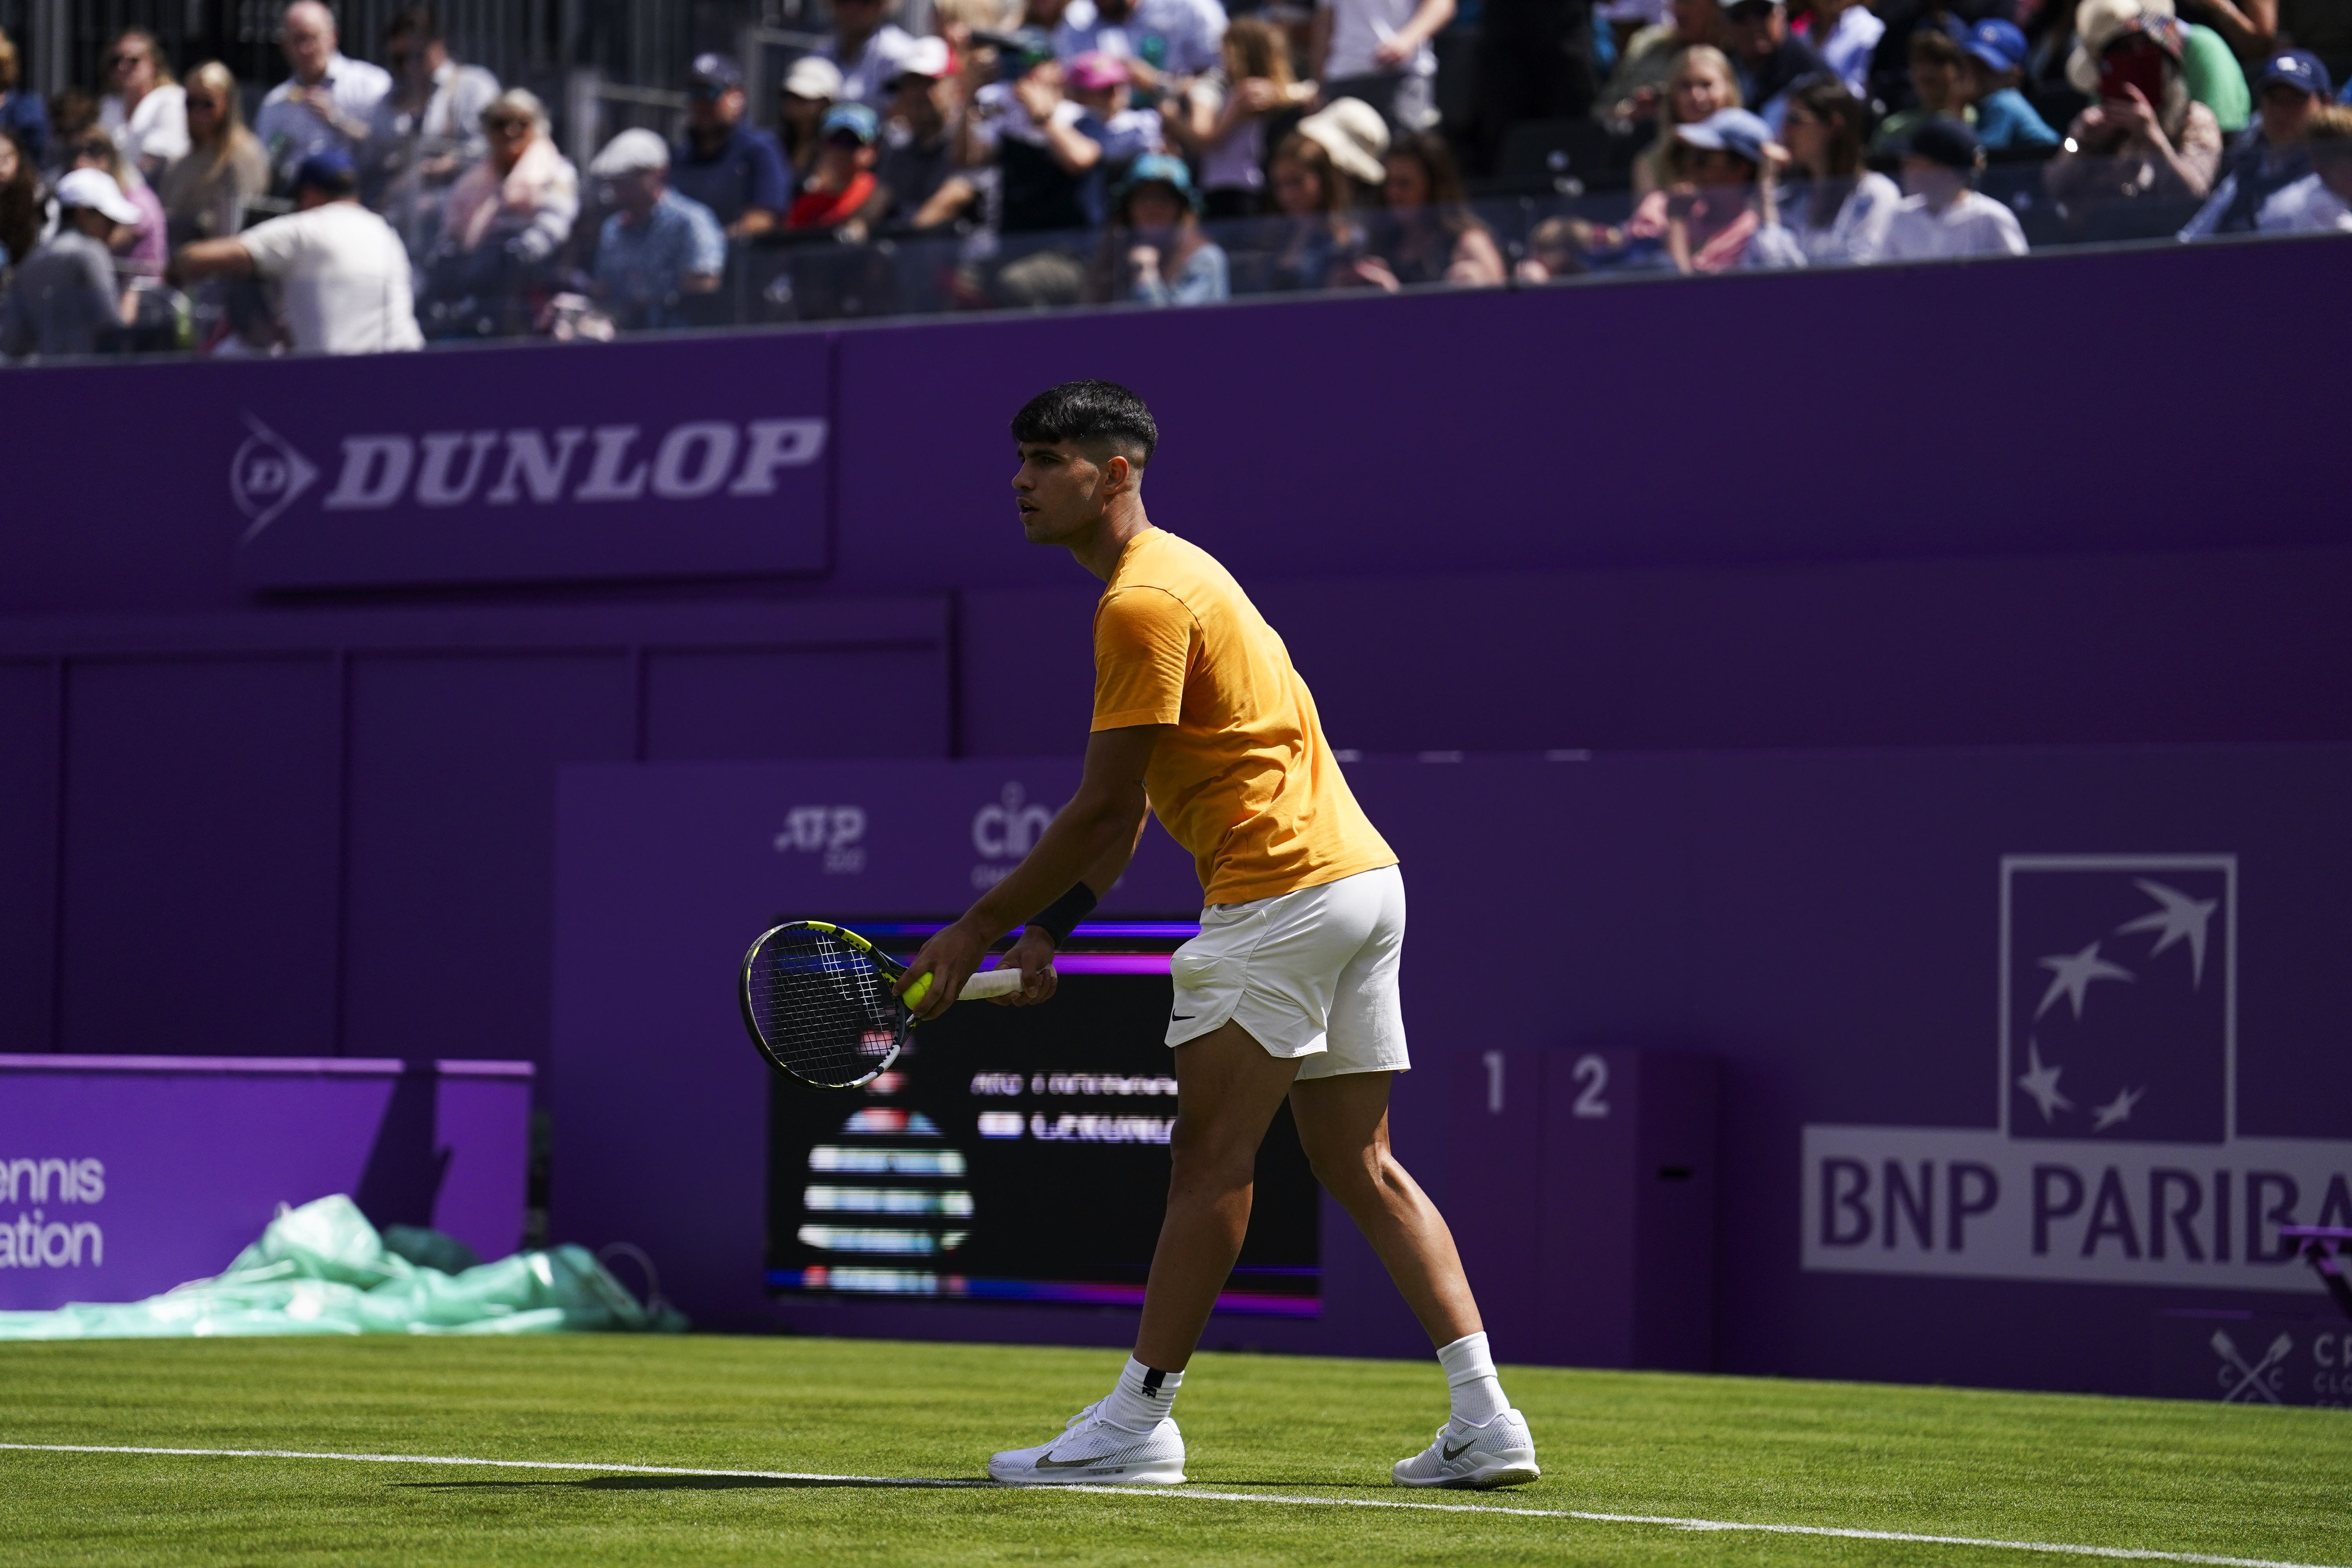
x: 702, y: 458
x: 123, y: 1176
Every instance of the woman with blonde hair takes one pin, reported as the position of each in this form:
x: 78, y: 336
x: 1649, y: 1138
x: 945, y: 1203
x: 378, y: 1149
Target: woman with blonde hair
x: 207, y: 188
x: 147, y: 113
x: 524, y: 196
x: 1700, y: 82
x: 1223, y: 121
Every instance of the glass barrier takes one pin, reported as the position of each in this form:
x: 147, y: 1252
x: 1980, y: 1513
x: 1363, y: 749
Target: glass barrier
x: 477, y: 281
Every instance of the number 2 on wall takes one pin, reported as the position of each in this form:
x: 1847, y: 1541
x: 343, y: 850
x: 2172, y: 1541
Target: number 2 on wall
x: 1593, y: 1074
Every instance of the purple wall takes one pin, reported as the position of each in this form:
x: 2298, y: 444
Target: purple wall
x: 1826, y: 926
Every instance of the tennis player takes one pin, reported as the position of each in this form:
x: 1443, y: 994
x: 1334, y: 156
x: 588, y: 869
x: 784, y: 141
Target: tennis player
x: 1290, y: 990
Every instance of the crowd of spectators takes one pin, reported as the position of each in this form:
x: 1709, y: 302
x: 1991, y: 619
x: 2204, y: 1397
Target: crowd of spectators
x: 1159, y: 153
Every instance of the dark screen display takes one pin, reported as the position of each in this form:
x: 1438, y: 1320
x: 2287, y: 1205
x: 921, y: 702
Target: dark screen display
x: 1018, y: 1153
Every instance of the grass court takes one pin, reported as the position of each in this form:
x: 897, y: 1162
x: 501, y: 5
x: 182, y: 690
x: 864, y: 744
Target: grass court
x: 1281, y: 1440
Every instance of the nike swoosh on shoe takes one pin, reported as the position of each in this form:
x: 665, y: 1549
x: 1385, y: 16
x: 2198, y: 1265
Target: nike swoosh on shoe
x: 1453, y: 1453
x: 1048, y: 1462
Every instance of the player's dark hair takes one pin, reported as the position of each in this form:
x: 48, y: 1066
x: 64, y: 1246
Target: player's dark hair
x: 1090, y: 411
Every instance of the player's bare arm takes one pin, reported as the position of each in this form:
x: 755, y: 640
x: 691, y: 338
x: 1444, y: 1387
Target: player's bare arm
x: 1089, y: 841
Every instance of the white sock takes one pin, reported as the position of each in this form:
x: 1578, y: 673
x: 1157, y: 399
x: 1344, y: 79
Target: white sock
x: 1470, y: 1379
x: 1142, y: 1396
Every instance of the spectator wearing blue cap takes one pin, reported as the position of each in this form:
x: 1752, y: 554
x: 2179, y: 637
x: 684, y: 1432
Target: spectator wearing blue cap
x: 1163, y: 256
x: 657, y: 247
x: 2321, y: 202
x: 841, y: 192
x: 734, y: 169
x: 2272, y: 155
x: 341, y: 272
x: 1943, y: 215
x: 2146, y: 136
x: 1714, y: 204
x: 1996, y: 51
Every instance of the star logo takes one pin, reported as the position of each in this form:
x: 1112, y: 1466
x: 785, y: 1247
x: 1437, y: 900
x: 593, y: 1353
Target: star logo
x: 2119, y: 1109
x: 2178, y: 918
x: 2040, y: 1083
x: 2072, y: 974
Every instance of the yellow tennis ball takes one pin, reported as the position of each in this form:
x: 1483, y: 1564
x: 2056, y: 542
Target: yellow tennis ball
x: 913, y: 995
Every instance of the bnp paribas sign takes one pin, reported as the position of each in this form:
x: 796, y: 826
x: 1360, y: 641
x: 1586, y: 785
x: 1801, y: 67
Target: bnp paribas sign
x: 2113, y: 1029
x: 646, y: 462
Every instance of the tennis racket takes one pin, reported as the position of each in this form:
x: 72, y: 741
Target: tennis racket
x: 817, y: 1001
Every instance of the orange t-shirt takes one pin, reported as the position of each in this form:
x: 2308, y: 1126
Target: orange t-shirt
x: 1244, y: 780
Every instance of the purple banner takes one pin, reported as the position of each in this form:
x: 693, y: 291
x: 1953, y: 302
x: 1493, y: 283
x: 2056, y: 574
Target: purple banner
x: 661, y: 460
x: 123, y: 1176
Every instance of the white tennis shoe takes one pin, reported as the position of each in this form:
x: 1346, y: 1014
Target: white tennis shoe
x: 1499, y: 1454
x: 1093, y: 1451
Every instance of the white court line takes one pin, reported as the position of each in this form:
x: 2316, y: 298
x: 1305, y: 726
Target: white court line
x: 1186, y: 1493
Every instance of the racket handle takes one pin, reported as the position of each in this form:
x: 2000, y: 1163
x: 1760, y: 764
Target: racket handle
x: 979, y: 988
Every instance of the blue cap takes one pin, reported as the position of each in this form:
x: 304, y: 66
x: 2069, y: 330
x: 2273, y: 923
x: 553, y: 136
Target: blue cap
x: 2297, y: 69
x: 1998, y: 44
x: 1159, y: 169
x: 1733, y: 130
x: 331, y: 170
x: 1946, y: 141
x: 854, y: 118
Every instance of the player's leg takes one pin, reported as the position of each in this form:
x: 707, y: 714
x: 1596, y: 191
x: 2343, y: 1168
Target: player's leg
x: 1228, y: 1089
x: 1340, y: 1105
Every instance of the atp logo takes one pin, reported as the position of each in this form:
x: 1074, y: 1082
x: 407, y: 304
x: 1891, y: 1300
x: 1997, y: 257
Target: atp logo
x: 267, y: 475
x: 1005, y: 830
x: 836, y: 832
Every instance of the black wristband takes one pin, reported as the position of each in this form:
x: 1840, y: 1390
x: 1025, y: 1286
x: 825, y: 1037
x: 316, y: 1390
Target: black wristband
x: 1061, y: 917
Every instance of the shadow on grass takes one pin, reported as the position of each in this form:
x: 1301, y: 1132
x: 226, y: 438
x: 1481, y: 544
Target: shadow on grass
x: 626, y: 1483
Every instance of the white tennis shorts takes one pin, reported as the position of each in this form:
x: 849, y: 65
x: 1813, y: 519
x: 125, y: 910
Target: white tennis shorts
x: 1311, y: 975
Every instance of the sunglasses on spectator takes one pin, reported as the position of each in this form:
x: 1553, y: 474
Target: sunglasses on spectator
x: 128, y: 57
x: 507, y: 123
x: 1751, y: 11
x: 849, y: 139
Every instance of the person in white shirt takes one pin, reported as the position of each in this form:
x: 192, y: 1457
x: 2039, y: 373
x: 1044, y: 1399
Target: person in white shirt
x: 2317, y: 203
x: 147, y: 113
x: 1845, y: 34
x: 1378, y: 51
x: 341, y: 272
x: 1165, y: 43
x: 869, y: 51
x: 327, y: 104
x: 1833, y: 210
x: 1944, y: 216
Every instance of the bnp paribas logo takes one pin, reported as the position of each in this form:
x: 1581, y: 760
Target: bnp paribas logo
x: 2115, y: 1152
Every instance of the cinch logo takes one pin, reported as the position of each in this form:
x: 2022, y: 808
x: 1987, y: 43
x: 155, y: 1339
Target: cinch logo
x: 1004, y: 830
x: 2117, y: 1156
x: 33, y: 1240
x: 833, y: 831
x: 574, y: 463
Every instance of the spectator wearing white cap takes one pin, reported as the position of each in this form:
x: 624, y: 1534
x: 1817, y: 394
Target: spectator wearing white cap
x: 342, y: 271
x: 657, y: 247
x: 918, y: 165
x: 868, y: 49
x: 64, y: 299
x: 330, y: 99
x: 811, y: 87
x: 734, y: 169
x: 1944, y: 216
x: 1357, y: 139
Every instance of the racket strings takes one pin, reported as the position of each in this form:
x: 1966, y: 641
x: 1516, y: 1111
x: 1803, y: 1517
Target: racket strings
x: 823, y: 1007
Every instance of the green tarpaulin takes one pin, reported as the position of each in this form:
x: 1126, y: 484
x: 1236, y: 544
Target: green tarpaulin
x: 323, y: 1269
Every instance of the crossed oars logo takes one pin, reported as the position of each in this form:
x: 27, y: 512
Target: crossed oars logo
x: 2253, y: 1381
